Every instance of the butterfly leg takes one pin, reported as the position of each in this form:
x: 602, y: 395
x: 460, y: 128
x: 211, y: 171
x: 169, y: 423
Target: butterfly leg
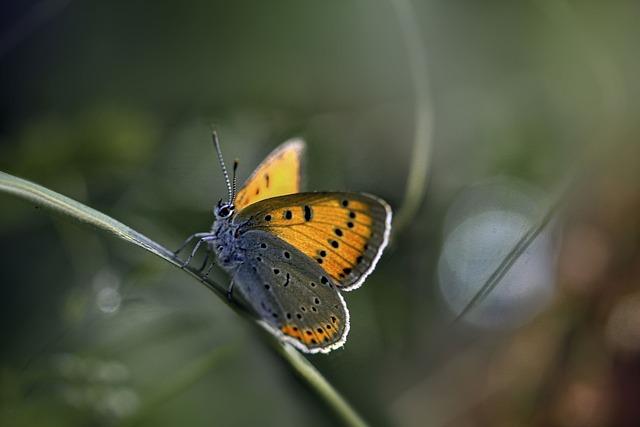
x: 189, y: 239
x: 202, y: 240
x: 206, y: 274
x: 206, y: 259
x: 230, y: 292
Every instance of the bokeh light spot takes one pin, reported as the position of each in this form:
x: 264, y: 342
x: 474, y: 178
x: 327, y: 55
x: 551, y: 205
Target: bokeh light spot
x: 479, y: 238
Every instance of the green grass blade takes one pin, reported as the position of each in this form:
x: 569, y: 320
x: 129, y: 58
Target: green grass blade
x: 73, y: 209
x: 423, y: 133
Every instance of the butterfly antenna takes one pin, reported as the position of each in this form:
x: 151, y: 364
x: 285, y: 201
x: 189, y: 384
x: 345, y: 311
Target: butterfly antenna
x: 233, y: 187
x: 216, y: 143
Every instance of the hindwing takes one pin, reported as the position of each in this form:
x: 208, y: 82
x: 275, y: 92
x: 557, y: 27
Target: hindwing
x: 293, y: 297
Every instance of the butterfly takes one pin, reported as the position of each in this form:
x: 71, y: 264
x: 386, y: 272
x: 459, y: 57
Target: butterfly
x: 290, y: 254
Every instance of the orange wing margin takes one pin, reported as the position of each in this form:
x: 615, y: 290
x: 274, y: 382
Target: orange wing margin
x: 279, y: 174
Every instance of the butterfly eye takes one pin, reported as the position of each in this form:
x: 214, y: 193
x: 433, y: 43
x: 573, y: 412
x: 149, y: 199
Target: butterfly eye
x: 224, y: 211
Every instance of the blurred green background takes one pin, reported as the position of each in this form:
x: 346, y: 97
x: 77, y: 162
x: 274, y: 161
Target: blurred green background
x: 111, y: 103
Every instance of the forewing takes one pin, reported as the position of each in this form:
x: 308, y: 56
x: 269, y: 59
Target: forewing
x: 292, y: 295
x: 277, y: 175
x: 343, y: 233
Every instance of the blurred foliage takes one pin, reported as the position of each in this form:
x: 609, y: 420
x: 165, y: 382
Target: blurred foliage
x: 111, y: 102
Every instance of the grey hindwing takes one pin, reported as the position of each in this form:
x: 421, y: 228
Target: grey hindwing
x: 288, y: 289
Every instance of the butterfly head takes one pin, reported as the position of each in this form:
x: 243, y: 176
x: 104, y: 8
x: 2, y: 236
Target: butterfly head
x: 223, y: 210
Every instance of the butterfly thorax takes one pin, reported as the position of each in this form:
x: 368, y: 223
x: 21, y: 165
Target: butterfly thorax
x: 225, y: 244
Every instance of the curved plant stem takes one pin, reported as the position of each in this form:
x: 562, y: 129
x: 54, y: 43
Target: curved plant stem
x: 423, y: 133
x: 71, y: 208
x: 76, y: 210
x: 308, y: 373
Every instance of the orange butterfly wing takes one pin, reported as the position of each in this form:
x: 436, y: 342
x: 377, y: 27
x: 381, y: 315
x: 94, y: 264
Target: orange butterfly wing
x: 277, y: 175
x: 343, y: 232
